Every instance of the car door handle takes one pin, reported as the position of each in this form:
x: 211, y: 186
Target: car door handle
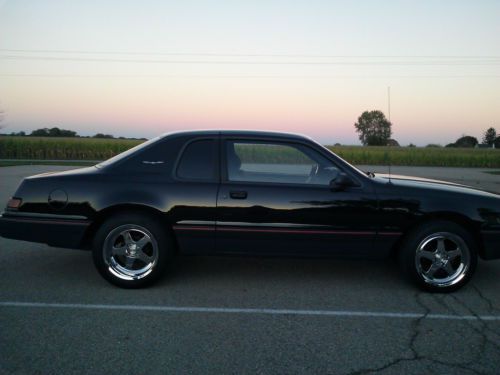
x: 238, y: 194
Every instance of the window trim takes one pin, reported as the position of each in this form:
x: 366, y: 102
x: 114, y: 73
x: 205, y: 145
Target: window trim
x: 223, y: 161
x: 216, y: 155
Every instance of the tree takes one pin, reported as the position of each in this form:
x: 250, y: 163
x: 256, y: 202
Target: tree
x: 53, y: 132
x: 497, y: 142
x: 373, y: 128
x: 101, y: 135
x: 489, y: 136
x: 466, y: 141
x: 56, y: 132
x: 40, y: 132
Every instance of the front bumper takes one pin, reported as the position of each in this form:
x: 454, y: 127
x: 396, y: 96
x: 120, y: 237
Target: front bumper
x: 58, y: 232
x: 491, y: 244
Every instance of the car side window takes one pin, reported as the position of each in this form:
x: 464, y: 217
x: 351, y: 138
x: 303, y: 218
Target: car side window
x: 198, y: 161
x: 249, y: 161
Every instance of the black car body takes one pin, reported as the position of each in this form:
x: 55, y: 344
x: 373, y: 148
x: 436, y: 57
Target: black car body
x: 306, y: 201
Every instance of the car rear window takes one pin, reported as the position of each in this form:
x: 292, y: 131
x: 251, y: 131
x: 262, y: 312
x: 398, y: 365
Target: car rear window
x: 124, y: 155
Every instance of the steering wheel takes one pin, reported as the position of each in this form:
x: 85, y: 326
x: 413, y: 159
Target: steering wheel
x: 312, y: 173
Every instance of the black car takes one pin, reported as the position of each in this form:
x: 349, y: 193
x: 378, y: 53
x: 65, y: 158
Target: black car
x: 258, y: 193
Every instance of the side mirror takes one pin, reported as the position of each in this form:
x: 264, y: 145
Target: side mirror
x: 340, y: 182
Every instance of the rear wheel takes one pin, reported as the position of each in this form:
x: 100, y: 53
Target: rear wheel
x: 131, y: 250
x: 439, y: 256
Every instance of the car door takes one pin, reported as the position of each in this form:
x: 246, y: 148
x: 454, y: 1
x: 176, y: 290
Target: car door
x: 275, y: 198
x: 193, y: 195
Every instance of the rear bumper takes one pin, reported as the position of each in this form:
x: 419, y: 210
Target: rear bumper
x: 491, y: 244
x: 51, y: 231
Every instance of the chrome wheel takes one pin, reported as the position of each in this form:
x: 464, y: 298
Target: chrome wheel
x: 130, y: 252
x: 442, y: 259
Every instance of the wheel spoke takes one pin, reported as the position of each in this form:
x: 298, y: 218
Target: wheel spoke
x: 454, y: 253
x: 143, y: 241
x: 128, y: 238
x: 432, y: 270
x: 144, y: 257
x: 440, y: 246
x: 118, y: 250
x: 426, y: 255
x: 449, y: 269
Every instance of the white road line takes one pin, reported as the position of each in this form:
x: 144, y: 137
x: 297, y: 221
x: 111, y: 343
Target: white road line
x: 229, y: 310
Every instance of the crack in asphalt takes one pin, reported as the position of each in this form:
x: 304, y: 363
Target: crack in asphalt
x: 413, y: 338
x: 489, y: 302
x: 485, y: 328
x: 416, y: 356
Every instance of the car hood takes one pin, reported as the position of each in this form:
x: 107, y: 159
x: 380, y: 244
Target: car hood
x: 420, y: 182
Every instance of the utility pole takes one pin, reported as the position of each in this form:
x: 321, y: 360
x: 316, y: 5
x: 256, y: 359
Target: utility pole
x: 389, y: 102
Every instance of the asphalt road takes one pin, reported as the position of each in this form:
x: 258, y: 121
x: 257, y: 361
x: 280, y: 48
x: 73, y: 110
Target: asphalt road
x: 237, y: 316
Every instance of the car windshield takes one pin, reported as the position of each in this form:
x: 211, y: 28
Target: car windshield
x: 127, y: 153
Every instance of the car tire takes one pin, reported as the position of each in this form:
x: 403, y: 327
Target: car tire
x: 131, y: 250
x: 439, y: 256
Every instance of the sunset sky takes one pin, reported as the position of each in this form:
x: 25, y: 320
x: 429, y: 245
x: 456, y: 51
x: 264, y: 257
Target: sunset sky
x: 141, y: 68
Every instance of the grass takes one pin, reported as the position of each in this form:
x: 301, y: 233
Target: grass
x: 40, y: 148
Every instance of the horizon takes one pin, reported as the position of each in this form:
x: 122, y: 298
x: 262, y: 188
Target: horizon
x: 139, y: 70
x: 118, y: 136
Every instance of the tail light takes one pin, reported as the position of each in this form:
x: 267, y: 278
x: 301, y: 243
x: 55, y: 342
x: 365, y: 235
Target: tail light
x: 14, y: 203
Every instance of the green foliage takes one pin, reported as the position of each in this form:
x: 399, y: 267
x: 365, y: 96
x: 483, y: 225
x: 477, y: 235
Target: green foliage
x: 100, y: 135
x: 19, y: 134
x: 373, y: 128
x: 490, y: 136
x: 466, y: 141
x: 40, y: 148
x: 16, y: 163
x: 265, y: 153
x: 73, y: 148
x: 420, y: 156
x: 53, y: 132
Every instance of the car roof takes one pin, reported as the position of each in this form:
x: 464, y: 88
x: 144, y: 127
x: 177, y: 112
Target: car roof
x: 238, y: 133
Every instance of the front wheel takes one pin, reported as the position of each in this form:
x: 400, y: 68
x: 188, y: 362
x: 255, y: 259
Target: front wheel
x: 439, y: 256
x: 131, y: 250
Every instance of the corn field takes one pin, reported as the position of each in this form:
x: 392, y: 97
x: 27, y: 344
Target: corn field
x: 44, y: 148
x: 41, y: 148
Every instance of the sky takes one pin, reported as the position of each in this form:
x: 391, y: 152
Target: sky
x: 142, y: 68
